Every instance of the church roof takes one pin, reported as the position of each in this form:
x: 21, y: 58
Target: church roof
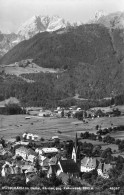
x: 69, y: 166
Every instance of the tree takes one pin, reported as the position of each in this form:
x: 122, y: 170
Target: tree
x: 37, y: 165
x: 97, y: 127
x: 106, y: 153
x: 13, y: 108
x: 18, y: 138
x: 100, y: 138
x: 121, y: 146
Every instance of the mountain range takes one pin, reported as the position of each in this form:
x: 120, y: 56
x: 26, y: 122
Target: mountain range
x: 90, y: 57
x: 38, y: 24
x: 31, y: 27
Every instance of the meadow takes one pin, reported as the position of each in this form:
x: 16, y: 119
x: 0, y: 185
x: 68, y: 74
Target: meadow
x: 65, y: 128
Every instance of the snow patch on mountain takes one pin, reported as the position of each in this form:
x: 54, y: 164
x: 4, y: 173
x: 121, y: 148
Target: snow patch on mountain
x: 31, y: 27
x: 39, y: 23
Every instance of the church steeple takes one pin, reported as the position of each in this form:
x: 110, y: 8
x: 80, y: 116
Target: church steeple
x: 75, y: 148
x: 76, y: 142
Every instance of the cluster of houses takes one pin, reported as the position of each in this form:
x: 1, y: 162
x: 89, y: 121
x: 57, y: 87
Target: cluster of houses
x: 50, y: 160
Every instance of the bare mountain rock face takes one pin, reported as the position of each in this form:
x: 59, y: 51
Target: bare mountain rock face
x: 36, y: 24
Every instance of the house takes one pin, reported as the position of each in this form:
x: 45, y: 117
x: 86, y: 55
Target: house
x: 53, y: 161
x: 67, y: 166
x: 104, y: 169
x: 88, y: 164
x: 52, y: 170
x: 55, y: 137
x: 31, y: 169
x: 47, y: 151
x: 44, y: 113
x: 1, y: 146
x: 3, y: 152
x: 90, y: 113
x: 23, y: 143
x: 31, y: 177
x: 30, y: 136
x: 7, y: 169
x: 44, y: 161
x: 26, y: 153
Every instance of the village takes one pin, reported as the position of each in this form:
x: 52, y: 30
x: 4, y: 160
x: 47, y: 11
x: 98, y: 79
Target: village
x: 77, y: 161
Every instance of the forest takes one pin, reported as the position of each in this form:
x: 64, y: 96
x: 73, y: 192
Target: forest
x: 90, y: 60
x: 49, y: 91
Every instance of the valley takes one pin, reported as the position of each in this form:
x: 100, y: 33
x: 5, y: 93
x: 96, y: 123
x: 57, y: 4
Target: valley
x: 13, y: 125
x: 62, y: 105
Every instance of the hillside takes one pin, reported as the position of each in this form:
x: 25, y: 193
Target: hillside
x: 7, y: 41
x: 87, y: 43
x: 91, y: 55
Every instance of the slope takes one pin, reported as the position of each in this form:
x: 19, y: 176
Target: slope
x: 89, y: 54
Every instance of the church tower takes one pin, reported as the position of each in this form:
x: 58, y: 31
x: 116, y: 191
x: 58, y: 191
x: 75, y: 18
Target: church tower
x: 75, y: 148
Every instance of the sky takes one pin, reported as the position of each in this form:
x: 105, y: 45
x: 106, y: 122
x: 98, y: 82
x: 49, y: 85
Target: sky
x: 15, y: 12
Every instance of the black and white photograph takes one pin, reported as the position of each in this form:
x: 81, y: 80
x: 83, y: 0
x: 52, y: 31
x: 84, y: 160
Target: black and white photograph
x: 61, y: 97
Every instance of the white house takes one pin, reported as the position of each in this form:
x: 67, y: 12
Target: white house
x: 1, y: 146
x: 88, y: 164
x: 44, y: 161
x: 26, y: 154
x: 44, y: 151
x: 24, y: 143
x: 103, y: 170
x: 44, y: 113
x: 6, y: 169
x: 30, y: 136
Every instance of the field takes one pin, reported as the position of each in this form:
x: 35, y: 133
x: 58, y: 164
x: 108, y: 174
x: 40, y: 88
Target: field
x: 12, y: 125
x: 15, y: 69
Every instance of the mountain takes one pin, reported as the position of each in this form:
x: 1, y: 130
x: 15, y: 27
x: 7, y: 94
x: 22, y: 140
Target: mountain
x: 113, y: 20
x: 7, y: 41
x: 38, y: 24
x: 31, y: 27
x: 95, y: 18
x: 92, y: 59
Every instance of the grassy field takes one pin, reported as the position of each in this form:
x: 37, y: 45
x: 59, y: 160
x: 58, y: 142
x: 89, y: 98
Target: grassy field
x: 12, y: 125
x: 31, y: 68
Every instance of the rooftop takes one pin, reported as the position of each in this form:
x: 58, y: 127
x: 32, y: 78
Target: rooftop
x: 88, y: 162
x: 28, y: 151
x: 49, y: 150
x: 69, y: 166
